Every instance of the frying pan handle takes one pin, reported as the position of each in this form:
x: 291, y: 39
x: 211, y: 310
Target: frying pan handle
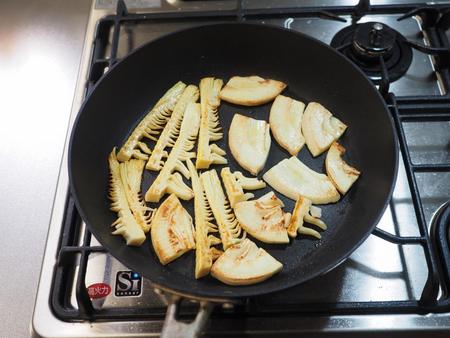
x: 174, y: 328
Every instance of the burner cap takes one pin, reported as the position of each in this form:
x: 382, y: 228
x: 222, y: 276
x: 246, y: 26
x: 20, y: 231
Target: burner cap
x: 372, y: 39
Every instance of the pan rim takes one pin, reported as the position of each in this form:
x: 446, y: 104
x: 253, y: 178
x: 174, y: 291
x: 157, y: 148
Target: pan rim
x: 287, y: 284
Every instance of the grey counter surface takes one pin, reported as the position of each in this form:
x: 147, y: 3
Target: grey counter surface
x: 40, y: 49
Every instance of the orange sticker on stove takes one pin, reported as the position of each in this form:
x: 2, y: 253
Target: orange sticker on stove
x: 98, y: 290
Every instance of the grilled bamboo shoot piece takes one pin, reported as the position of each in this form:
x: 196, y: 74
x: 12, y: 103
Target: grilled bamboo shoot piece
x: 249, y: 142
x: 205, y: 254
x: 126, y: 224
x: 293, y: 179
x: 172, y: 129
x: 286, y: 123
x: 172, y: 230
x: 168, y: 181
x: 264, y: 219
x: 251, y: 90
x: 320, y: 128
x: 235, y: 183
x: 303, y: 213
x: 151, y: 125
x: 342, y: 175
x: 210, y: 130
x: 229, y: 228
x: 131, y: 176
x: 245, y: 264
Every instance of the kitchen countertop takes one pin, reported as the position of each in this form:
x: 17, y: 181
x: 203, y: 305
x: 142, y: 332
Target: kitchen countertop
x: 40, y: 48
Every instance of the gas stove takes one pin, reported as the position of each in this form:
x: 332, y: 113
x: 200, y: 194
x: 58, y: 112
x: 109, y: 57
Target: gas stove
x: 397, y: 281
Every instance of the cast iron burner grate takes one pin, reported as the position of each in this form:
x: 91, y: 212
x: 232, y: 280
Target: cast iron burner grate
x: 365, y: 44
x: 436, y: 244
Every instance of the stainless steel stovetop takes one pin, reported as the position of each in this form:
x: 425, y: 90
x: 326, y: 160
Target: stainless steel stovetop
x: 377, y: 271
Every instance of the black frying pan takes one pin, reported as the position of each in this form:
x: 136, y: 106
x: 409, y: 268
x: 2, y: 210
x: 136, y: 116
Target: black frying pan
x: 313, y: 72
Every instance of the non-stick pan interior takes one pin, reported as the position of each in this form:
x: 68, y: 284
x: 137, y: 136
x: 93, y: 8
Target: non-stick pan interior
x: 313, y: 72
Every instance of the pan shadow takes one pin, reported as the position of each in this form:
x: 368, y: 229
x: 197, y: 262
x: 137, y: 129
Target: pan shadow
x: 274, y: 311
x: 278, y: 311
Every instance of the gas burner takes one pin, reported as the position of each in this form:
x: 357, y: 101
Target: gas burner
x: 365, y: 44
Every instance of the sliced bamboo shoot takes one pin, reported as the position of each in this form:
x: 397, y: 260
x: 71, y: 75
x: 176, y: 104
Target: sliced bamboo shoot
x: 126, y: 224
x: 302, y: 213
x: 236, y: 182
x: 131, y: 176
x: 168, y: 181
x: 172, y: 129
x: 286, y: 123
x: 210, y: 129
x: 172, y: 230
x: 320, y: 128
x: 249, y: 142
x: 204, y: 253
x: 251, y: 90
x: 245, y: 264
x: 293, y: 179
x: 229, y: 228
x: 151, y: 125
x: 264, y: 219
x: 342, y: 175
